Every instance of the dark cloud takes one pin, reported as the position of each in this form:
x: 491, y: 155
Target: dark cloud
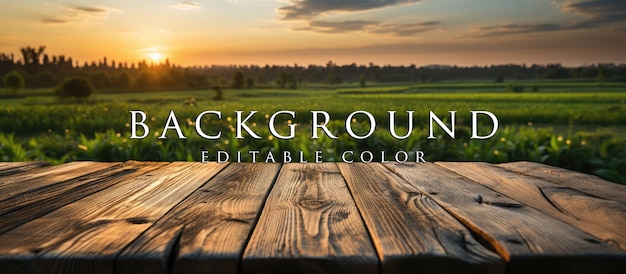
x: 51, y: 20
x: 599, y: 11
x: 337, y: 26
x: 405, y: 29
x: 368, y: 27
x: 88, y: 10
x: 511, y: 28
x: 76, y: 14
x: 307, y: 9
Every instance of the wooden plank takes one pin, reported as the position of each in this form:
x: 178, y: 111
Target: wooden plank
x: 85, y: 236
x: 9, y: 168
x: 602, y: 218
x: 409, y: 230
x: 531, y: 241
x: 582, y: 182
x: 208, y: 231
x: 24, y: 207
x: 310, y: 224
x: 43, y: 177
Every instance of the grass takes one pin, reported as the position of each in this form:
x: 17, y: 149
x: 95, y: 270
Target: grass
x: 572, y: 125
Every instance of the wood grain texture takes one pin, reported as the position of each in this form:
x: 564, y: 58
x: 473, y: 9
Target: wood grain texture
x: 602, y: 218
x: 530, y: 241
x: 86, y: 235
x: 310, y: 224
x: 410, y: 231
x: 208, y: 231
x: 24, y: 207
x: 9, y: 168
x: 43, y: 177
x: 582, y: 182
x: 146, y: 217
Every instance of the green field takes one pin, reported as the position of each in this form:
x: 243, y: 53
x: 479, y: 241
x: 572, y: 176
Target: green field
x: 576, y: 125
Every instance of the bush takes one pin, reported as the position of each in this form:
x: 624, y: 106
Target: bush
x: 76, y: 87
x: 219, y: 94
x: 14, y: 80
x: 47, y: 79
x: 514, y: 88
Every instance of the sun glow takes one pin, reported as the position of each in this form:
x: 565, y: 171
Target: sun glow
x: 155, y: 56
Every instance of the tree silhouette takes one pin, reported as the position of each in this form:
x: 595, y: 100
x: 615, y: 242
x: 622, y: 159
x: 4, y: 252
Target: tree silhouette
x: 600, y: 76
x: 285, y: 79
x: 31, y: 55
x: 239, y: 79
x: 362, y: 80
x: 101, y: 80
x: 123, y: 81
x: 249, y: 82
x: 144, y: 80
x: 33, y: 62
x: 333, y: 79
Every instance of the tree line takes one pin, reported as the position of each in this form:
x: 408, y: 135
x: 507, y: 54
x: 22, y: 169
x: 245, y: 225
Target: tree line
x: 40, y: 70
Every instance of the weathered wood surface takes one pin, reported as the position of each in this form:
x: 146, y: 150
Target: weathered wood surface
x: 602, y: 218
x: 8, y: 168
x: 410, y: 231
x: 582, y: 182
x: 209, y: 229
x: 529, y: 240
x: 310, y: 224
x: 25, y: 206
x: 86, y: 235
x: 146, y: 217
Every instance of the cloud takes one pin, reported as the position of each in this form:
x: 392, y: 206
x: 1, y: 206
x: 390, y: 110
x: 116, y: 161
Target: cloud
x: 76, y: 14
x: 187, y: 5
x: 52, y: 21
x: 307, y: 9
x: 512, y: 28
x: 405, y: 29
x: 88, y: 10
x: 368, y: 27
x: 337, y: 26
x: 599, y: 11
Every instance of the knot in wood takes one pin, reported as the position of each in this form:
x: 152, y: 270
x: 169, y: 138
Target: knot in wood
x: 313, y: 204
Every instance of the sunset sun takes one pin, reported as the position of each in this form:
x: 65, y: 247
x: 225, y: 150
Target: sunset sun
x: 155, y: 56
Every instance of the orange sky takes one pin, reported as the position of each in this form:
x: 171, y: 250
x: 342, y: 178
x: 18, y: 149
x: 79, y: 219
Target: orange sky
x: 420, y: 32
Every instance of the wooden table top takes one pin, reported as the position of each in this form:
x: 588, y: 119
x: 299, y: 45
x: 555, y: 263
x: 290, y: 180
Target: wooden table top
x: 185, y: 217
